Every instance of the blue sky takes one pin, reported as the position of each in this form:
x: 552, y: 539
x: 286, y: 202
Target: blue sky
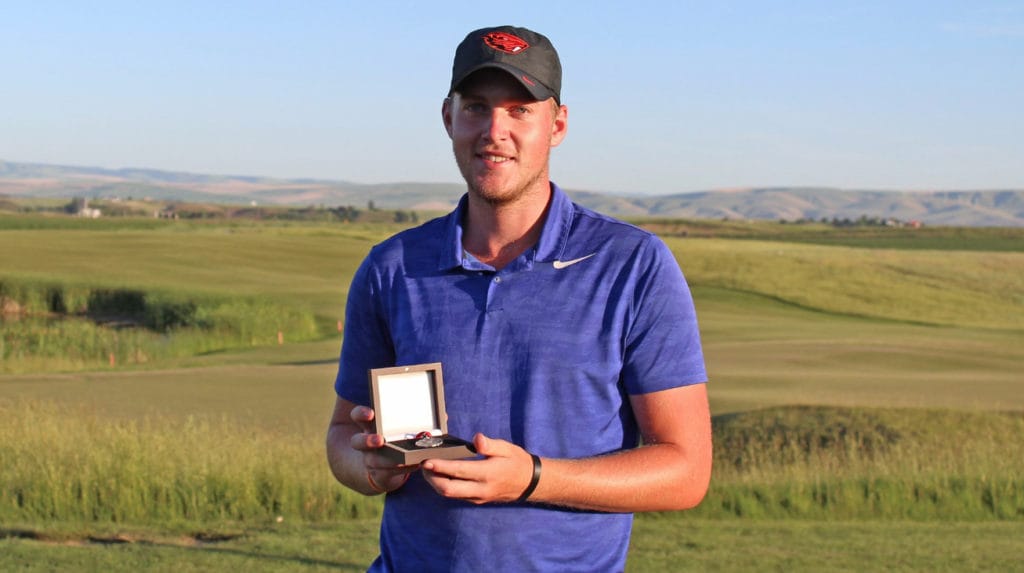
x: 663, y: 97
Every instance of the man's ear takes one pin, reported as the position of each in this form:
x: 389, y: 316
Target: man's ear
x: 560, y: 127
x: 446, y: 115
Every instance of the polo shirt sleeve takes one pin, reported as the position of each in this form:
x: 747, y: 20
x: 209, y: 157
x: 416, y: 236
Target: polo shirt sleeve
x: 367, y: 340
x: 662, y: 347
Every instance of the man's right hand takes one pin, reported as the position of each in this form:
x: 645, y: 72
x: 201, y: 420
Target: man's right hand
x: 353, y: 452
x: 383, y: 474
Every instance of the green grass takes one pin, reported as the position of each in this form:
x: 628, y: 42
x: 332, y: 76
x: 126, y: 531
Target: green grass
x: 760, y: 457
x: 954, y: 288
x: 296, y: 276
x: 867, y: 463
x: 998, y: 239
x: 860, y: 396
x: 833, y: 545
x: 60, y: 221
x: 311, y: 264
x: 658, y: 544
x: 825, y: 463
x: 63, y: 327
x: 160, y: 470
x: 279, y: 388
x: 763, y: 352
x: 245, y: 283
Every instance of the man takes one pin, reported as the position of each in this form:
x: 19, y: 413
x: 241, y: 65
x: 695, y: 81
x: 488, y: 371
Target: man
x: 566, y: 339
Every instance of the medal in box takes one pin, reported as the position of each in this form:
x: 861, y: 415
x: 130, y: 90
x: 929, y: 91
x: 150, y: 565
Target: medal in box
x: 408, y: 404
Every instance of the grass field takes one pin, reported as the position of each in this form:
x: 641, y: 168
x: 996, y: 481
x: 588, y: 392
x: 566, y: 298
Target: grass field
x: 681, y: 544
x: 867, y: 404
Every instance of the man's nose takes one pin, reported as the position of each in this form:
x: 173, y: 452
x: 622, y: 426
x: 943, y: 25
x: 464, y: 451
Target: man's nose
x: 497, y: 125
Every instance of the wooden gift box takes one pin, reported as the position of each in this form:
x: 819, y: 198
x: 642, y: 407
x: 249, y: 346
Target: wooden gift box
x: 408, y: 400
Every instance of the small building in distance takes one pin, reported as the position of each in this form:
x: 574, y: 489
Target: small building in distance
x: 79, y: 207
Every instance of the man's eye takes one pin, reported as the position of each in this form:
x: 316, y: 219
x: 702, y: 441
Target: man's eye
x: 475, y: 107
x: 521, y: 110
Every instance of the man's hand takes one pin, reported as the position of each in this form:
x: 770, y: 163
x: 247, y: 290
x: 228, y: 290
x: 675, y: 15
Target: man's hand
x: 501, y: 476
x: 383, y: 474
x: 353, y: 452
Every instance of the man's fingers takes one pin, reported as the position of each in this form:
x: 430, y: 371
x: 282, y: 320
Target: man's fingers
x: 361, y: 414
x: 451, y: 486
x: 482, y: 444
x: 491, y: 447
x: 363, y: 417
x: 494, y: 448
x: 450, y: 469
x: 366, y: 442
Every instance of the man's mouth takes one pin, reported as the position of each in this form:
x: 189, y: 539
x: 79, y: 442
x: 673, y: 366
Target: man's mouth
x: 494, y: 158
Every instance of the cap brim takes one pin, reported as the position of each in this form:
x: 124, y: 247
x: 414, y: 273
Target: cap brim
x: 537, y: 90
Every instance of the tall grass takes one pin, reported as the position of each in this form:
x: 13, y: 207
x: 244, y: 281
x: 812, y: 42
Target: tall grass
x: 816, y: 463
x: 846, y: 463
x: 68, y: 327
x: 73, y: 466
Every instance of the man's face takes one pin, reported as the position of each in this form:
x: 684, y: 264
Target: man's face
x: 501, y: 136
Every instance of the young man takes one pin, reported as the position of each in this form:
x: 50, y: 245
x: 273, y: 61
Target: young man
x: 568, y: 340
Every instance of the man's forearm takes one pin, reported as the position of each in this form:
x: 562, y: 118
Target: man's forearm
x: 658, y: 477
x: 670, y: 472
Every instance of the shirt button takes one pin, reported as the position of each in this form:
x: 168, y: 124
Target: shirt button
x: 497, y: 280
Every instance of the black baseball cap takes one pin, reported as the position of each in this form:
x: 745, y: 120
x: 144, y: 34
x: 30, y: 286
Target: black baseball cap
x: 528, y: 56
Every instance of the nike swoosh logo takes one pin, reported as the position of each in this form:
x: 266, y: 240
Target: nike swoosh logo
x: 562, y: 264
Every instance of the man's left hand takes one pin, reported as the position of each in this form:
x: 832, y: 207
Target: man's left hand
x: 501, y: 476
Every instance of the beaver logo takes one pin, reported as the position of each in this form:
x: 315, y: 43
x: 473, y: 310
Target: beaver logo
x: 505, y: 42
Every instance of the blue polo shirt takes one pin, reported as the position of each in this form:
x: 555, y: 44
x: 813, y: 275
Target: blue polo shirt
x: 542, y: 353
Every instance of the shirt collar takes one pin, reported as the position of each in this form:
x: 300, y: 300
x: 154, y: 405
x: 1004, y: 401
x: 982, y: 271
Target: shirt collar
x: 553, y: 236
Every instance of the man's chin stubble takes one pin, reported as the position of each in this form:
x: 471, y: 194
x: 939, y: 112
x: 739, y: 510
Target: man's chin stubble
x: 504, y: 197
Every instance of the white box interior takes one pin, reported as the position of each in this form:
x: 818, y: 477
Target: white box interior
x: 407, y: 405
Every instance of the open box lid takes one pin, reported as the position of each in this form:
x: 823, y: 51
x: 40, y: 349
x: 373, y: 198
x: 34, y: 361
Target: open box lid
x: 408, y: 400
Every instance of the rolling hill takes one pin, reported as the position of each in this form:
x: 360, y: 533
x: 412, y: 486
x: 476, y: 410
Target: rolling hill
x: 994, y: 208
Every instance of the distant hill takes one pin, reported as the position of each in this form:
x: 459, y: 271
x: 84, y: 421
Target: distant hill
x: 955, y: 208
x: 1003, y: 208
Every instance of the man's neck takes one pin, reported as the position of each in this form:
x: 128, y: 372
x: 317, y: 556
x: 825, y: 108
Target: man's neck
x: 497, y: 234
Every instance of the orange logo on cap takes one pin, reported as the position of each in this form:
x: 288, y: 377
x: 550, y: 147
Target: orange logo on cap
x: 505, y: 42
